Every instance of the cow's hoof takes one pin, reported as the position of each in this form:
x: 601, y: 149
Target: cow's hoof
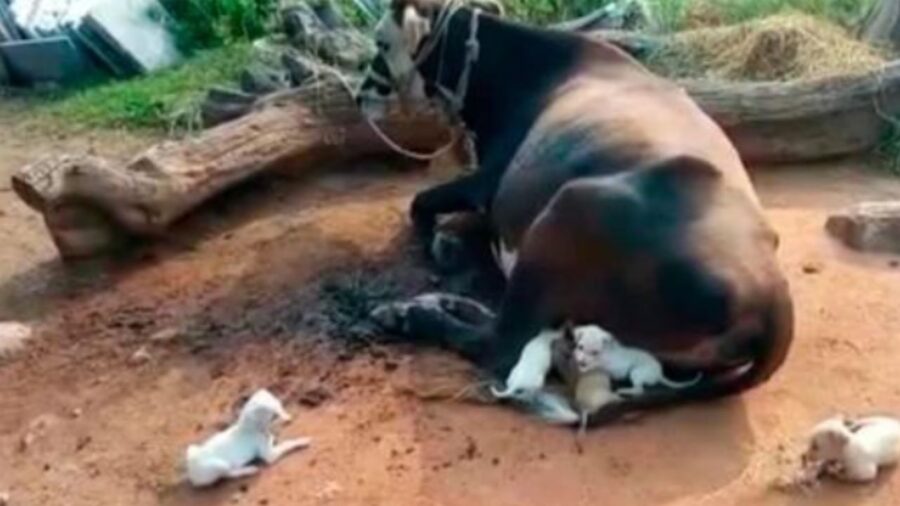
x: 449, y: 252
x: 417, y: 318
x: 391, y: 317
x: 436, y: 317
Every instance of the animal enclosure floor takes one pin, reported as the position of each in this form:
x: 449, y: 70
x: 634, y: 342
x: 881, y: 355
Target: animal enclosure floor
x: 83, y: 424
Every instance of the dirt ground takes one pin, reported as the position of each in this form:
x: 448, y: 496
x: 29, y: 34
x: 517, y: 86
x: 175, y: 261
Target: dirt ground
x: 228, y: 303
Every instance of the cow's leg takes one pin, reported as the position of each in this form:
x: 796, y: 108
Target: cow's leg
x: 462, y: 194
x: 463, y: 242
x: 443, y: 319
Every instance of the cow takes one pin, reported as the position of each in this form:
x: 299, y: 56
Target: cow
x: 611, y: 197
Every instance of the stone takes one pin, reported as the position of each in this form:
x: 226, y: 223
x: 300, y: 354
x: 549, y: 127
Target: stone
x: 315, y: 397
x: 300, y: 21
x: 4, y: 499
x: 166, y: 335
x: 258, y: 80
x: 812, y: 268
x: 140, y: 357
x: 869, y: 226
x: 348, y: 49
x: 329, y: 14
x: 223, y: 105
x: 13, y: 336
x: 299, y: 69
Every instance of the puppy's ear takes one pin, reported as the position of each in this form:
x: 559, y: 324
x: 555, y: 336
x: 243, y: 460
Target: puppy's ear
x: 282, y: 414
x: 568, y: 331
x: 837, y: 439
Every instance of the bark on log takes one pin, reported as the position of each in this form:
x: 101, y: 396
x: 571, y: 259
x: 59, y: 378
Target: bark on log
x: 91, y: 206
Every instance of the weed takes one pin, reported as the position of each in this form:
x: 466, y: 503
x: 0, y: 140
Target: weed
x: 146, y: 102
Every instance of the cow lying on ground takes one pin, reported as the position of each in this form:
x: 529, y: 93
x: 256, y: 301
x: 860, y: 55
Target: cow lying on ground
x: 614, y: 200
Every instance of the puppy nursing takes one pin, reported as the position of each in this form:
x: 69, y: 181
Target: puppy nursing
x: 530, y: 372
x: 854, y: 450
x: 231, y: 453
x: 597, y: 349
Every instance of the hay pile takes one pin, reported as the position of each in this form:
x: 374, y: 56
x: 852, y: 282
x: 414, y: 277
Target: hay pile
x: 783, y: 47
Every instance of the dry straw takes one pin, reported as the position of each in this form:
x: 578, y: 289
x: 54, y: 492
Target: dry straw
x: 782, y: 47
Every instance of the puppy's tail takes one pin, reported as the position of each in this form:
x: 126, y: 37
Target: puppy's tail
x: 503, y: 394
x: 681, y: 384
x: 765, y: 343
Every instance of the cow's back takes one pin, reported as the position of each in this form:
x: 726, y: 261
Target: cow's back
x: 611, y: 116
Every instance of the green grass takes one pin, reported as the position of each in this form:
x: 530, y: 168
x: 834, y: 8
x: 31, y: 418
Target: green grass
x: 148, y: 102
x: 214, y: 23
x: 550, y: 11
x: 845, y: 12
x: 666, y: 16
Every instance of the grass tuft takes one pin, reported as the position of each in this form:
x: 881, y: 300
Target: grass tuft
x: 148, y: 102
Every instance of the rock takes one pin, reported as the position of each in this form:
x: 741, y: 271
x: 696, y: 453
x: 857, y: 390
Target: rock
x: 347, y: 49
x: 77, y: 412
x: 26, y: 442
x: 216, y: 113
x: 812, y: 268
x: 315, y: 397
x: 328, y: 13
x: 13, y: 336
x: 300, y: 21
x: 258, y: 80
x: 4, y: 499
x: 299, y: 69
x: 329, y: 491
x: 166, y: 335
x: 140, y: 357
x: 869, y: 226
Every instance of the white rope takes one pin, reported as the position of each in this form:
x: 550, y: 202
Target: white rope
x: 456, y: 100
x: 423, y: 157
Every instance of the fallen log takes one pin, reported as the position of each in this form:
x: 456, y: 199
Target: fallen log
x: 799, y: 121
x: 91, y: 206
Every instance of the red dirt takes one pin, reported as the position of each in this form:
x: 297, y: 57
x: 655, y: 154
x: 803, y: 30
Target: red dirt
x: 106, y: 431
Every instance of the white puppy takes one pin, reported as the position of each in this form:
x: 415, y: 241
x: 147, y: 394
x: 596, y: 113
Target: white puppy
x: 596, y: 348
x: 854, y: 450
x: 528, y: 376
x: 230, y: 453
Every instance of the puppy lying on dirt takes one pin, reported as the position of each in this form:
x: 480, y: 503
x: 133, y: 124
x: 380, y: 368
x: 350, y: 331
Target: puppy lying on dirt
x: 231, y: 453
x: 853, y: 449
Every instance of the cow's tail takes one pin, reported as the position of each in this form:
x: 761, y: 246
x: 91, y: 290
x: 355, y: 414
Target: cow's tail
x: 767, y: 342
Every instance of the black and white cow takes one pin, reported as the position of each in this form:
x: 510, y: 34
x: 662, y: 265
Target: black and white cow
x: 613, y: 199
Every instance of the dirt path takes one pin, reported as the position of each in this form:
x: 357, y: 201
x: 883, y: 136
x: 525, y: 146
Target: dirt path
x: 239, y: 281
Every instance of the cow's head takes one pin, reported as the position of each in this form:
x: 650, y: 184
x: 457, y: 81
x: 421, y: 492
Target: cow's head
x: 404, y: 37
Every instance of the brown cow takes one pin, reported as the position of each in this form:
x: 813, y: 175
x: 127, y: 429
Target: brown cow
x: 613, y: 198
